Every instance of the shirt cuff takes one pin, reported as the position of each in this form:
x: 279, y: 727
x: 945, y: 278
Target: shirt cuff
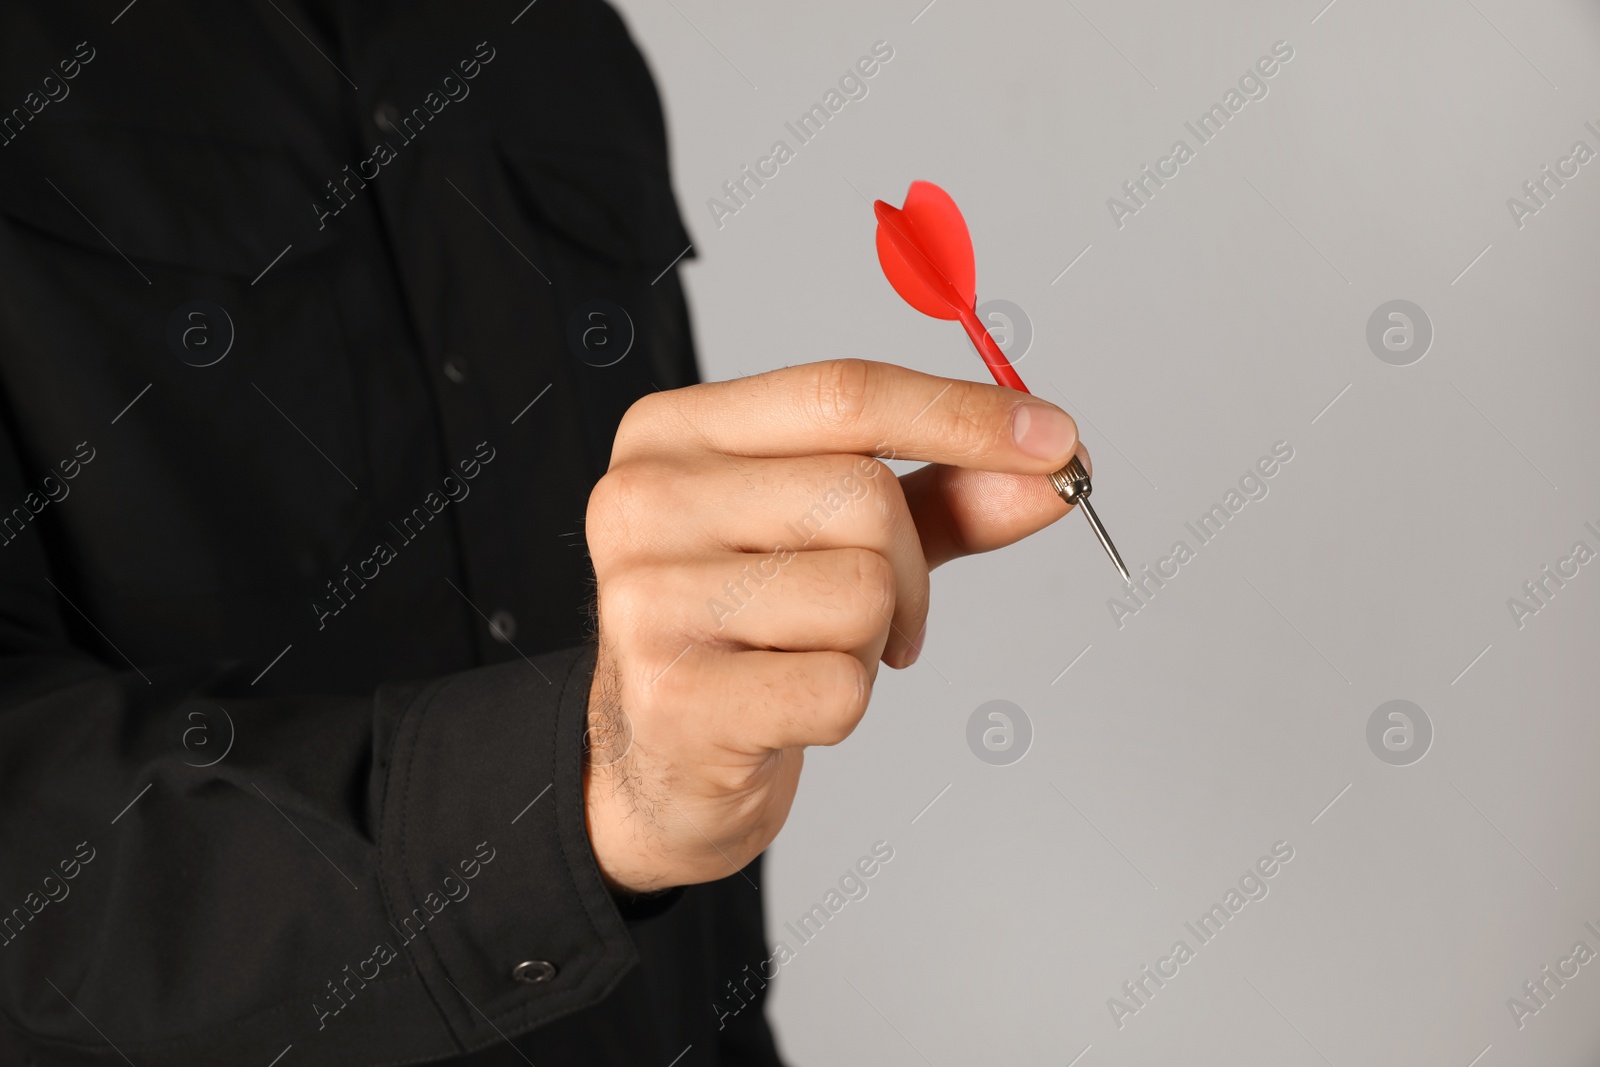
x: 488, y: 876
x: 636, y: 909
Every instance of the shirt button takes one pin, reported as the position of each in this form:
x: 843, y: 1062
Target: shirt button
x: 534, y: 971
x: 387, y: 117
x: 455, y: 368
x: 503, y: 626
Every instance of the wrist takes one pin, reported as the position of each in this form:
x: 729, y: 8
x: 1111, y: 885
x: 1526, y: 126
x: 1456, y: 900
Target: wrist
x: 614, y: 836
x: 610, y: 809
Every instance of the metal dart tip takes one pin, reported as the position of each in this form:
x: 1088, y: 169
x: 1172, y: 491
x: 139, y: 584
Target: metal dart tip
x: 1105, y: 539
x: 1072, y: 484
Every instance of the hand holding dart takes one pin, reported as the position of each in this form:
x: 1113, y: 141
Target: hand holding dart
x: 926, y: 253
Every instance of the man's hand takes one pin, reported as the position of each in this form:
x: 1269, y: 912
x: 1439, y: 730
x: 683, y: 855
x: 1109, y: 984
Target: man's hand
x: 755, y: 562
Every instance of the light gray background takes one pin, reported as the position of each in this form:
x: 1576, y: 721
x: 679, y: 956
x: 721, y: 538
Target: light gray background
x: 1227, y: 714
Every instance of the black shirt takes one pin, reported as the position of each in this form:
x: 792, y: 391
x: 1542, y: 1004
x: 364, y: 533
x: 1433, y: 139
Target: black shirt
x: 316, y: 323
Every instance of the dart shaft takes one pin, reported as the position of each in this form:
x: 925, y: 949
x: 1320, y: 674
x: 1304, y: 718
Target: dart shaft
x: 989, y: 350
x: 926, y: 253
x: 1071, y: 481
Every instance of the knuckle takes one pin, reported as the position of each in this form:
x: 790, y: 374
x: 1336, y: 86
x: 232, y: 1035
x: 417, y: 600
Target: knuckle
x: 842, y: 688
x: 969, y: 420
x: 642, y: 414
x: 873, y: 577
x: 843, y: 389
x: 868, y: 483
x: 889, y: 497
x: 618, y: 502
x: 605, y: 502
x: 625, y: 602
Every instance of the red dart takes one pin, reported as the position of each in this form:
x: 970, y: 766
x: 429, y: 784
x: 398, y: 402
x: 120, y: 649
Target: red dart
x: 926, y: 253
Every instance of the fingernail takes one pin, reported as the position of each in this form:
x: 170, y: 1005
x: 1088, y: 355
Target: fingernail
x: 915, y: 652
x: 1043, y: 431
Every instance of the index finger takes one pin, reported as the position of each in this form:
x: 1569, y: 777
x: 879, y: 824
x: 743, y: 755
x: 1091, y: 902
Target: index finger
x: 854, y: 406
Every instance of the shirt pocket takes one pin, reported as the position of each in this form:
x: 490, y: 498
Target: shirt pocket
x: 610, y: 219
x: 108, y: 233
x: 195, y: 203
x: 602, y: 200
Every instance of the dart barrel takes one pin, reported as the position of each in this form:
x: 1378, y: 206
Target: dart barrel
x: 1072, y: 482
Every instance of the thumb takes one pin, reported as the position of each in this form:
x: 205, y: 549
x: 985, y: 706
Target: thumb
x: 961, y: 512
